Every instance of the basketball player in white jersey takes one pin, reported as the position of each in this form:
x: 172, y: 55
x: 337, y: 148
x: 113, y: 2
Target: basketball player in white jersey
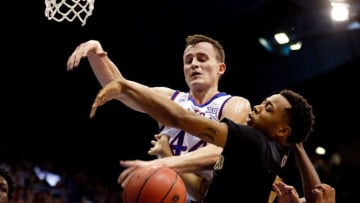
x: 204, y: 64
x: 178, y: 141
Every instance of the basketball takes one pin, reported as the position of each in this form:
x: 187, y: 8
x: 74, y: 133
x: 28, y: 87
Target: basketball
x: 154, y: 185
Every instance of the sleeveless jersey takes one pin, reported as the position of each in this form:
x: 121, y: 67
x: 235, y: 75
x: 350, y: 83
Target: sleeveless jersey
x: 182, y: 142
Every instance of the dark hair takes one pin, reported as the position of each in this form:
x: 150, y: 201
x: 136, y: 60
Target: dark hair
x: 6, y: 175
x: 301, y: 116
x: 195, y: 39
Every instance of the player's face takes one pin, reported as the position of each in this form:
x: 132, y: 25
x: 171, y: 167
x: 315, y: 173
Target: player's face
x: 201, y: 69
x: 270, y: 117
x: 4, y: 189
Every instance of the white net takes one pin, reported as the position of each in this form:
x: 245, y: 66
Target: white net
x: 60, y: 10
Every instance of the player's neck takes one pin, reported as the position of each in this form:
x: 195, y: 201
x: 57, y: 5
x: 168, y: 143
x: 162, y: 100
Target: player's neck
x: 201, y: 97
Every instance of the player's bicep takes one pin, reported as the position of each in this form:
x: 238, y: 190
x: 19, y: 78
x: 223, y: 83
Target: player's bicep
x: 164, y: 91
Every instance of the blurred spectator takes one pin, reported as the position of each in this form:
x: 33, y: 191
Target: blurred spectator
x: 6, y: 186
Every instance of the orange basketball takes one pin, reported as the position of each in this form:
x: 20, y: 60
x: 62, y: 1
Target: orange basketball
x: 155, y: 185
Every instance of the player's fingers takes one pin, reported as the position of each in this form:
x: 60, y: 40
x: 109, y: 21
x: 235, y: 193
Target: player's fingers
x: 318, y: 190
x: 317, y: 193
x: 71, y: 60
x: 323, y: 189
x: 157, y: 136
x: 94, y: 107
x: 70, y: 63
x: 153, y: 142
x: 125, y: 175
x: 128, y: 163
x: 80, y: 52
x: 151, y: 152
x: 276, y: 188
x: 323, y: 186
x: 100, y: 100
x: 93, y: 111
x: 76, y: 56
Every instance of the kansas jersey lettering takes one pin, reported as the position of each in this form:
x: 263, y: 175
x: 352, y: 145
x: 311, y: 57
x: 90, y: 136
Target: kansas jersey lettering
x: 182, y: 142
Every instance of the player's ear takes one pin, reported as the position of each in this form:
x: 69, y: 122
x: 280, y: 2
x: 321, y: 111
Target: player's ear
x: 222, y: 68
x: 285, y: 131
x: 282, y: 134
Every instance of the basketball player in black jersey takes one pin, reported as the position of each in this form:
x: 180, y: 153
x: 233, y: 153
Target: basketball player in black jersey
x: 252, y: 154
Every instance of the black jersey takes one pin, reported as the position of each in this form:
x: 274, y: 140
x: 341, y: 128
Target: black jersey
x: 247, y: 168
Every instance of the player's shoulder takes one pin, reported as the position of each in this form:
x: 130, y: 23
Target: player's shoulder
x: 237, y: 108
x: 239, y: 100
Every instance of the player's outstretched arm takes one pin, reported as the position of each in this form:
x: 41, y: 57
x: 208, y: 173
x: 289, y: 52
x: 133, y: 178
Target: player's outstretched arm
x: 163, y: 110
x: 104, y: 69
x: 308, y: 173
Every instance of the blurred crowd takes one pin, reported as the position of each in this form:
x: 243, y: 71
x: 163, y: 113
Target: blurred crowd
x: 45, y: 183
x: 49, y: 182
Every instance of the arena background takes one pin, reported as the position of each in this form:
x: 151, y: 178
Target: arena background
x: 46, y: 108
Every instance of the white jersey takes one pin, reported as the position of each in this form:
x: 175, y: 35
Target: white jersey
x: 182, y: 142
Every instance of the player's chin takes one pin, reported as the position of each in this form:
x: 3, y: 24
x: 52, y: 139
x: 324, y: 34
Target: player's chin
x: 196, y: 83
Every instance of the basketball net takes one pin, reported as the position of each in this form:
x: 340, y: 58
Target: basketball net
x: 60, y: 10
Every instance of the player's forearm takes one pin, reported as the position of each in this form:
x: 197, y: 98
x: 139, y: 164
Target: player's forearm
x: 170, y: 114
x: 308, y: 173
x: 196, y: 186
x: 104, y: 69
x: 203, y: 158
x: 198, y: 160
x: 183, y: 165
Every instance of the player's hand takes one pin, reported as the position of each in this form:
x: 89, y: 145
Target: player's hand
x: 107, y: 93
x: 82, y: 51
x: 130, y: 167
x: 285, y: 193
x: 161, y: 147
x: 126, y: 174
x: 324, y: 193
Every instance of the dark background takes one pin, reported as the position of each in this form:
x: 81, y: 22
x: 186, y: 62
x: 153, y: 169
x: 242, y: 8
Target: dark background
x: 46, y: 108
